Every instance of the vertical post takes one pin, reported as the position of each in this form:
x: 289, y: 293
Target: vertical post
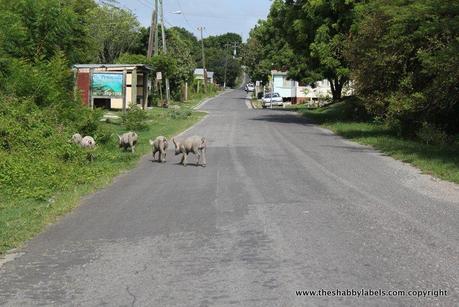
x: 153, y: 32
x: 124, y: 90
x: 226, y: 65
x: 134, y: 86
x: 163, y: 34
x: 75, y: 75
x: 203, y: 59
x: 186, y: 91
x: 91, y: 100
x: 156, y: 28
x: 160, y: 92
x: 145, y: 90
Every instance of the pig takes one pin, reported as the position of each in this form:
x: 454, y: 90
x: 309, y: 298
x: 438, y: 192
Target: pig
x: 76, y: 138
x: 128, y: 140
x: 84, y: 142
x: 88, y: 142
x: 159, y: 145
x: 194, y: 144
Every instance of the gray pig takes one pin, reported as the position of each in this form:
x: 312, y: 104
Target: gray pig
x: 194, y: 144
x: 159, y: 145
x: 84, y: 142
x: 128, y: 140
x: 76, y: 138
x: 88, y: 142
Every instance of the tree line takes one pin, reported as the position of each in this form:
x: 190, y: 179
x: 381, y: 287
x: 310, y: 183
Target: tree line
x: 402, y: 56
x: 38, y: 32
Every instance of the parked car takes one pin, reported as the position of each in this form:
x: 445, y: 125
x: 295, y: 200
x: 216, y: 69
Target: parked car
x: 249, y: 87
x: 272, y: 99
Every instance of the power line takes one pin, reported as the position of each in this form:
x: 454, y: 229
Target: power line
x: 183, y: 14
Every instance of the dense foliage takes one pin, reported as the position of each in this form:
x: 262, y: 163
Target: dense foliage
x: 402, y: 55
x: 39, y: 41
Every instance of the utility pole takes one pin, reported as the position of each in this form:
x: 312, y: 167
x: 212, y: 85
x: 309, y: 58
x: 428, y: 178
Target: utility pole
x: 227, y: 45
x: 203, y: 59
x: 156, y: 28
x: 163, y: 34
x: 152, y: 39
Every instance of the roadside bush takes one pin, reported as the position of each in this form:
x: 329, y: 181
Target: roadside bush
x: 134, y: 119
x: 89, y: 122
x: 404, y: 58
x: 354, y: 109
x: 430, y: 134
x: 104, y: 134
x: 180, y: 113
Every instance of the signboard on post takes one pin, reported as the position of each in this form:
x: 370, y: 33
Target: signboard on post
x: 159, y: 75
x: 107, y: 85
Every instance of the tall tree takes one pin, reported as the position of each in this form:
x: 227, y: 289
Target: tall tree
x: 115, y: 30
x: 318, y: 31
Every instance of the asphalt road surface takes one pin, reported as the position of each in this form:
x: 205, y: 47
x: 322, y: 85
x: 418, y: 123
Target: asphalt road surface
x: 282, y: 206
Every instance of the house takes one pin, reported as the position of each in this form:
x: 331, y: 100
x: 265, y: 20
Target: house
x: 315, y: 94
x: 199, y: 75
x: 282, y: 85
x: 112, y: 86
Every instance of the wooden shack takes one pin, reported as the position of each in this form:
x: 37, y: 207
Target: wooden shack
x: 112, y: 86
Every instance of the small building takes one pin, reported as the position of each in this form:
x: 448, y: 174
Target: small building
x: 314, y: 95
x: 282, y: 85
x: 199, y: 75
x: 112, y: 86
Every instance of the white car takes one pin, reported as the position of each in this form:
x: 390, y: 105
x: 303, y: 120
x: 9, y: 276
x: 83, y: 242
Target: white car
x: 272, y: 99
x: 250, y: 87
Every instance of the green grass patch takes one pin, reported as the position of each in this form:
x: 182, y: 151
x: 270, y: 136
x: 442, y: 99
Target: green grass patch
x: 439, y: 161
x: 58, y: 184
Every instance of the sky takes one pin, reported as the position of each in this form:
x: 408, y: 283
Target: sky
x: 216, y: 16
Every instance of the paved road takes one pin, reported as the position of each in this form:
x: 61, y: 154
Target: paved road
x: 282, y: 206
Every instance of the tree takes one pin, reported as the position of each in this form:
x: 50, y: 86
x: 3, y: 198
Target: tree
x: 115, y: 31
x: 267, y: 48
x: 38, y: 30
x: 404, y: 57
x: 317, y: 31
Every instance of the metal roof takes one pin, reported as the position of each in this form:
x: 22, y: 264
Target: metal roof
x: 111, y: 66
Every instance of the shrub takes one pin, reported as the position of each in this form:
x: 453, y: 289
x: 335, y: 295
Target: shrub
x: 104, y: 134
x: 180, y: 113
x: 134, y: 118
x: 431, y: 134
x: 89, y: 122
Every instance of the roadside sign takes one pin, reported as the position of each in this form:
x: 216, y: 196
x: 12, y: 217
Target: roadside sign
x: 159, y: 75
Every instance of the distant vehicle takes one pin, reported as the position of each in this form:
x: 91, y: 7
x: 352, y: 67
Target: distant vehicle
x: 272, y: 99
x: 249, y: 87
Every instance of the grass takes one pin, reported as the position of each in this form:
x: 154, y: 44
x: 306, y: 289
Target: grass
x: 21, y: 219
x: 439, y: 161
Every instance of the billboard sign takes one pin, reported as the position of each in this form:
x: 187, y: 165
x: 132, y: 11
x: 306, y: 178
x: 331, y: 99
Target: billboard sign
x: 107, y: 85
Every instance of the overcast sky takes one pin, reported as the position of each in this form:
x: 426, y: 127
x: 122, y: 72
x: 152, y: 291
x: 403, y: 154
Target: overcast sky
x: 217, y: 16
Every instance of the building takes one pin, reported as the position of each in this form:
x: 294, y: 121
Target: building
x: 316, y: 94
x: 282, y: 85
x: 112, y: 86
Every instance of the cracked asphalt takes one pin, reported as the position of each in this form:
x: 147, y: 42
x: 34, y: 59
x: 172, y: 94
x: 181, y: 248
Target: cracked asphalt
x: 283, y: 205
